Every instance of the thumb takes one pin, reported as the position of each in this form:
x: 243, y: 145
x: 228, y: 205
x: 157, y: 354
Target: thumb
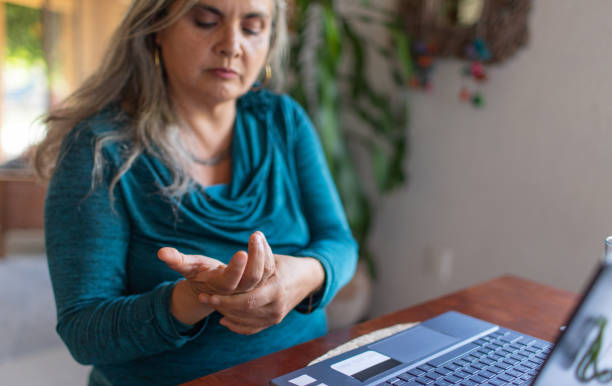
x: 186, y: 265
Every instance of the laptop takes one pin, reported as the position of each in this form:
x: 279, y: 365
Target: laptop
x: 457, y: 349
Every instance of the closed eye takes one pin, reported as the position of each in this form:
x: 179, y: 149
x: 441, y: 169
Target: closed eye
x: 253, y: 25
x: 205, y: 25
x: 250, y: 31
x: 205, y: 18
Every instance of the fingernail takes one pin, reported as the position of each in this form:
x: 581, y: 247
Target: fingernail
x: 213, y: 300
x: 203, y: 298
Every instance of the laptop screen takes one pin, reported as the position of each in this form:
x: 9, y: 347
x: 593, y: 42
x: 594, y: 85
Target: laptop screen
x: 583, y: 353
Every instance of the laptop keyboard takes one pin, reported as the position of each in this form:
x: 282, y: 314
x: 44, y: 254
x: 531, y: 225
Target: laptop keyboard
x: 503, y: 357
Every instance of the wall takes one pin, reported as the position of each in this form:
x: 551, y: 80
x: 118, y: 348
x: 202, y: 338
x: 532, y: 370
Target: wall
x: 93, y: 24
x: 520, y: 187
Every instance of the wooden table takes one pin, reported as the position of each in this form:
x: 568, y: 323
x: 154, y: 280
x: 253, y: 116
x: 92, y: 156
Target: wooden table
x: 508, y: 301
x: 22, y: 202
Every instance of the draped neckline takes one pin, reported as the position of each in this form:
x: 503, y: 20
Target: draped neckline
x: 254, y: 191
x: 256, y: 103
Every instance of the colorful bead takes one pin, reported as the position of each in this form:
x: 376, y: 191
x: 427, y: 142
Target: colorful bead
x: 477, y: 69
x: 471, y: 52
x: 414, y: 82
x: 420, y: 47
x: 481, y: 77
x: 482, y: 49
x: 465, y: 95
x: 477, y: 100
x: 425, y: 61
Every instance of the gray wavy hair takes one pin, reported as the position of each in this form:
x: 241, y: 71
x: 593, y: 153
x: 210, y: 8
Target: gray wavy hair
x: 128, y: 74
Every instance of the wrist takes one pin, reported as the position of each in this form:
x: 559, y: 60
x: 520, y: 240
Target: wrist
x: 313, y: 280
x: 316, y: 274
x: 185, y: 306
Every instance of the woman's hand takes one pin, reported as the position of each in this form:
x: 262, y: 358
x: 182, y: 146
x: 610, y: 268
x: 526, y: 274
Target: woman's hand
x: 267, y: 305
x: 210, y: 276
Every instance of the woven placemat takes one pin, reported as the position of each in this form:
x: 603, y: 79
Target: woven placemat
x: 363, y: 340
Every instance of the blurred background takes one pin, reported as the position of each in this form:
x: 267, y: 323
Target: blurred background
x: 49, y: 47
x: 451, y: 174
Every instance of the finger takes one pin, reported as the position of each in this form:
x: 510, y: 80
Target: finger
x: 204, y: 298
x: 255, y: 266
x: 269, y: 262
x: 234, y: 270
x: 248, y: 304
x: 247, y: 309
x: 186, y: 265
x: 264, y: 320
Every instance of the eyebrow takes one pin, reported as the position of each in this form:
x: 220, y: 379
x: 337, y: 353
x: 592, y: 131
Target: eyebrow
x: 216, y: 11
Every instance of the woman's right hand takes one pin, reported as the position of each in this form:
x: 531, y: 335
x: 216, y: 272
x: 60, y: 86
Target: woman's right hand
x: 243, y: 273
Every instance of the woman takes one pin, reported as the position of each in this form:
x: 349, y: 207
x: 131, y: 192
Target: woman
x: 169, y: 147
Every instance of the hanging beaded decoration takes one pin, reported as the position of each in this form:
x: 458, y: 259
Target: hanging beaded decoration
x: 454, y: 24
x: 480, y: 31
x: 478, y: 53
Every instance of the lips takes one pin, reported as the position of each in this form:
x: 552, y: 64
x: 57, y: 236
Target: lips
x: 224, y: 73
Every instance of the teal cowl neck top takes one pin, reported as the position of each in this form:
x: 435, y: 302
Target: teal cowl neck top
x: 113, y: 293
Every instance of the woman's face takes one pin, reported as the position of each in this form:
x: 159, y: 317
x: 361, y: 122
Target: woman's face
x: 216, y: 50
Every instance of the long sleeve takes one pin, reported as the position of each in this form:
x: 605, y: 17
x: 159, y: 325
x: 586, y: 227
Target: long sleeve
x: 87, y: 241
x: 331, y: 241
x: 113, y: 293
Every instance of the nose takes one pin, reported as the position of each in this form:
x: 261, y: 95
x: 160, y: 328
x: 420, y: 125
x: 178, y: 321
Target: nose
x: 229, y: 43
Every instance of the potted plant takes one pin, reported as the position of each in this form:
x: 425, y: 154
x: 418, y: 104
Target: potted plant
x: 330, y: 78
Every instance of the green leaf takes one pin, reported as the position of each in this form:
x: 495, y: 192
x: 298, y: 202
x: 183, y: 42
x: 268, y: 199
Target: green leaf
x: 395, y: 174
x: 382, y: 113
x: 381, y: 165
x: 333, y: 44
x: 23, y: 34
x: 359, y: 72
x: 402, y: 47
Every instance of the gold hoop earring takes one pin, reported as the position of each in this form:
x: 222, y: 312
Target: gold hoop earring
x: 268, y: 75
x: 266, y: 80
x: 156, y: 58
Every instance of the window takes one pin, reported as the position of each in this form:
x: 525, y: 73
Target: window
x: 47, y: 47
x: 25, y: 92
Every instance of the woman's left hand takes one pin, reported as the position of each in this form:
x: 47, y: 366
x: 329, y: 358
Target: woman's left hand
x: 249, y: 313
x: 207, y: 275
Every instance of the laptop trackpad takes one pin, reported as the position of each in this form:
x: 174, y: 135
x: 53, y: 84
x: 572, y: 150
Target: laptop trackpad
x: 413, y: 344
